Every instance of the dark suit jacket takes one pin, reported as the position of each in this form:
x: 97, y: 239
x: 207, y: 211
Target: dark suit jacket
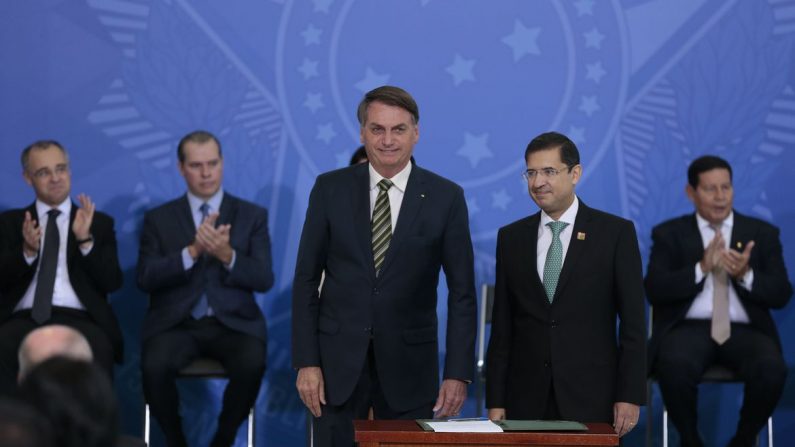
x: 571, y: 343
x: 333, y: 329
x: 92, y: 276
x: 174, y: 291
x: 671, y: 279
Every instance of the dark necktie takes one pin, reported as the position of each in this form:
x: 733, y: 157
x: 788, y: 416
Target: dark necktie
x: 720, y: 329
x: 381, y: 224
x: 554, y: 262
x: 42, y: 299
x: 202, y: 306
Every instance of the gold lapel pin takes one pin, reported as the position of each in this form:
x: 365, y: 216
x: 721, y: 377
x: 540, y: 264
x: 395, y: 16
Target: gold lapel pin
x: 739, y: 245
x: 580, y: 236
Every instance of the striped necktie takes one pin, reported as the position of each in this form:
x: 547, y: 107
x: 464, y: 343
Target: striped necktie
x: 381, y: 224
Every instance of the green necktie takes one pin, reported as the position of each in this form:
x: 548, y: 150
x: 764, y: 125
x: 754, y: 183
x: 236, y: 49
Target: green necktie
x: 381, y: 224
x: 554, y: 261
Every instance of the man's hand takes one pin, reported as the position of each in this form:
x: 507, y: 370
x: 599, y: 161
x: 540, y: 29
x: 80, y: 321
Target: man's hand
x: 496, y: 414
x: 31, y: 235
x: 736, y: 263
x: 451, y: 398
x: 215, y: 241
x: 625, y: 417
x: 713, y: 253
x: 311, y: 389
x: 81, y: 226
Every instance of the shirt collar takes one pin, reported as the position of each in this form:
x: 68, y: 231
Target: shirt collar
x: 214, y: 201
x: 399, y: 180
x: 568, y: 216
x: 42, y: 208
x: 728, y: 222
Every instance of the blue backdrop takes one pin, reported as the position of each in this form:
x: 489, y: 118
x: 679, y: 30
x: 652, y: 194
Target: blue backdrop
x: 642, y: 86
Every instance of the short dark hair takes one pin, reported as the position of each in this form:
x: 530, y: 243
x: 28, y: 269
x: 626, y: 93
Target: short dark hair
x: 40, y: 145
x: 77, y: 398
x: 197, y: 136
x: 359, y: 155
x: 703, y: 164
x: 551, y: 140
x: 391, y: 96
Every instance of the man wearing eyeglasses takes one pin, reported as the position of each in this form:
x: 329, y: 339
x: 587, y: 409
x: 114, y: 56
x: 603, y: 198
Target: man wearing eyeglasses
x: 58, y: 262
x: 565, y: 276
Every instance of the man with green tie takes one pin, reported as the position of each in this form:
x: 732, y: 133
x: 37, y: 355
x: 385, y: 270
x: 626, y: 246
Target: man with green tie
x: 564, y: 277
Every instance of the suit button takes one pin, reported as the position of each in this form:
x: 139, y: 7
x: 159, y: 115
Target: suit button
x: 554, y: 323
x: 375, y: 291
x: 546, y: 364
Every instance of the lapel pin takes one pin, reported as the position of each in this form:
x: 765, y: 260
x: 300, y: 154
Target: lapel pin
x: 580, y: 236
x: 739, y: 245
x: 422, y: 196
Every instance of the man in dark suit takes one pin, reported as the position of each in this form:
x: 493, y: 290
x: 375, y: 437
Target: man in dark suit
x: 58, y: 264
x: 202, y: 257
x: 565, y: 275
x: 713, y: 277
x: 369, y: 338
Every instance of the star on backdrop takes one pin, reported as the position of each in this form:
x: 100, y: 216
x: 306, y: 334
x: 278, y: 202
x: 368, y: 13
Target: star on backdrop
x: 522, y: 40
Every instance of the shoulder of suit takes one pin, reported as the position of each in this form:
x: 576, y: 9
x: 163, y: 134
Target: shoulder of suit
x: 243, y: 204
x: 520, y: 224
x: 603, y: 216
x: 742, y: 219
x: 434, y: 180
x: 12, y: 214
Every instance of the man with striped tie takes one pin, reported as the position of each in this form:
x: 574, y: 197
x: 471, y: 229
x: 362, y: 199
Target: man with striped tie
x: 565, y: 276
x: 382, y: 231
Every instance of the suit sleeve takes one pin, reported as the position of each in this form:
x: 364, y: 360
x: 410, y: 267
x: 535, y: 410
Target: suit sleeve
x: 252, y: 269
x: 498, y: 356
x: 157, y: 269
x: 669, y: 280
x: 771, y: 287
x: 101, y: 264
x: 12, y: 262
x: 628, y: 277
x: 458, y: 264
x: 309, y: 265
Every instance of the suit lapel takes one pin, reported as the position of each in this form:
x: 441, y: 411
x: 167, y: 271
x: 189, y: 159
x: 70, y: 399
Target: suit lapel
x: 184, y: 217
x: 692, y: 244
x: 529, y: 257
x: 226, y: 215
x: 361, y: 214
x: 740, y: 230
x: 577, y: 246
x: 413, y: 198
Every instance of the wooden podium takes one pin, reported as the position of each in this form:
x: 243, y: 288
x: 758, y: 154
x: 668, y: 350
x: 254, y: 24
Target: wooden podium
x: 409, y: 434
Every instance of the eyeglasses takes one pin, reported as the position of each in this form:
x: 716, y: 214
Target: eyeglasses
x: 531, y: 174
x: 44, y: 173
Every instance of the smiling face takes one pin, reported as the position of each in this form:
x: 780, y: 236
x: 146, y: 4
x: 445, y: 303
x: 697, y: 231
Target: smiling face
x: 47, y: 171
x: 713, y: 196
x: 202, y: 168
x: 388, y: 134
x: 552, y: 193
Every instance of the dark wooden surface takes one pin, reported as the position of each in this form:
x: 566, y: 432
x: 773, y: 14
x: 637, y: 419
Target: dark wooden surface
x: 409, y: 434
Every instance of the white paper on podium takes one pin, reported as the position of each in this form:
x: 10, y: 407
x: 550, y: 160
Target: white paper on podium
x: 465, y: 427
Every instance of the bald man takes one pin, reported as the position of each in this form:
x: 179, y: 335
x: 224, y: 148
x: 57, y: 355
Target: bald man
x: 50, y: 341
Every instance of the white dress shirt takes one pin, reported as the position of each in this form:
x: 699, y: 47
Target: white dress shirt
x: 701, y: 309
x: 63, y: 294
x: 545, y: 235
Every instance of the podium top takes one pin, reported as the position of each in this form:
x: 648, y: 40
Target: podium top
x: 407, y: 432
